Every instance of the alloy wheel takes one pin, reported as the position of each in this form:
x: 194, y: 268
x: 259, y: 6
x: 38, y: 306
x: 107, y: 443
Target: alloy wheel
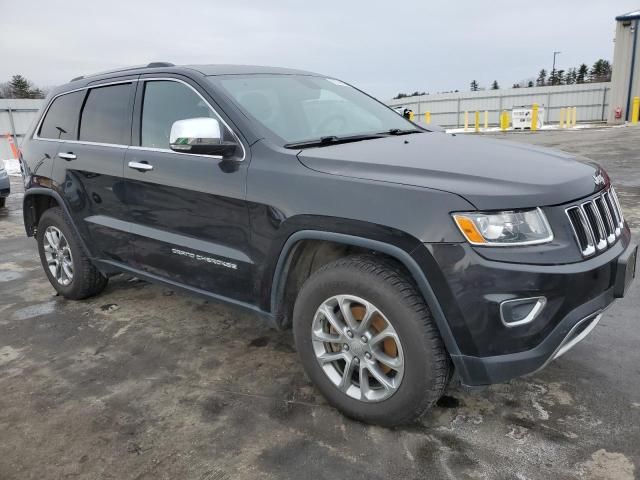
x: 357, y: 348
x: 57, y: 252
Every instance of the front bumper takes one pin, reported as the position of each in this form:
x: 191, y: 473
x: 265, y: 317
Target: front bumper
x: 470, y: 289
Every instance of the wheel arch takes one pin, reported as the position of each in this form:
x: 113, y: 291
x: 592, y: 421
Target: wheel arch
x: 284, y: 263
x: 38, y: 200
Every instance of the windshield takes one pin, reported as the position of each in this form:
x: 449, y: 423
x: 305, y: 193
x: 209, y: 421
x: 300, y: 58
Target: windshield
x: 300, y: 108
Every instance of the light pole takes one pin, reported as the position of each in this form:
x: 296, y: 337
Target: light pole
x: 553, y: 70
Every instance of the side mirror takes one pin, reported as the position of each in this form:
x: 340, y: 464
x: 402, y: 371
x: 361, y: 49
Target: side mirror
x: 201, y: 136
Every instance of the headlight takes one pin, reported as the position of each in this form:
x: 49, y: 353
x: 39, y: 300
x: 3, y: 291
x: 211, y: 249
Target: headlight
x: 504, y: 229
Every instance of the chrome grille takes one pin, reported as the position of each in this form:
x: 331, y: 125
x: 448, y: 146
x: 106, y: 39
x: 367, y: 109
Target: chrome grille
x: 597, y: 223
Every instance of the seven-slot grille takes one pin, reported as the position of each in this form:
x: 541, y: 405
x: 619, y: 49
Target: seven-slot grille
x: 597, y: 223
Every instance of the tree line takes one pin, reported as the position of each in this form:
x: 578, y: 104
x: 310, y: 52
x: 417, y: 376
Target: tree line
x: 20, y: 87
x: 600, y: 71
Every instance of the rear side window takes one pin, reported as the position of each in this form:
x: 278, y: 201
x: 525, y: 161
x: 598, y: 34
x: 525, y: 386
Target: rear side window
x: 61, y: 120
x: 166, y: 102
x: 105, y: 115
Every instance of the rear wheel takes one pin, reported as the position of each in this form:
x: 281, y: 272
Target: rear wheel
x: 367, y: 340
x: 2, y: 201
x: 67, y: 266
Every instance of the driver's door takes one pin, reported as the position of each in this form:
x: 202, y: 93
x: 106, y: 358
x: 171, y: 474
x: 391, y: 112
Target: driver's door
x: 188, y: 213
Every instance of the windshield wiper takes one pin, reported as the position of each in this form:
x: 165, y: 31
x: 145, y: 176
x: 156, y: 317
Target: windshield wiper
x: 397, y: 131
x: 333, y: 140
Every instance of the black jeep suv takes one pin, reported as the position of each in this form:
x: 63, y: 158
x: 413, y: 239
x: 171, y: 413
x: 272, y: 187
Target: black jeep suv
x: 398, y: 255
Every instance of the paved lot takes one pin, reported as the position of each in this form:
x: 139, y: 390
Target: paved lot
x: 145, y: 383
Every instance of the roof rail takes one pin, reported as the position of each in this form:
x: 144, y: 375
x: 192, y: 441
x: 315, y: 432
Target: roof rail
x: 150, y: 65
x: 160, y: 64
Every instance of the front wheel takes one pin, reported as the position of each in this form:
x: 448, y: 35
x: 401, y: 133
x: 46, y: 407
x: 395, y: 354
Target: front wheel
x: 367, y: 340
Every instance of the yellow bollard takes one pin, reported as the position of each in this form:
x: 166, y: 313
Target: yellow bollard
x: 411, y: 115
x: 504, y: 120
x: 574, y: 116
x: 477, y: 121
x: 427, y: 117
x: 466, y: 120
x: 534, y: 117
x: 486, y: 119
x: 635, y: 112
x: 563, y: 113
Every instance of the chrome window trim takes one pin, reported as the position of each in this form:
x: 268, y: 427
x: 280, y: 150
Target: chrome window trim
x: 244, y: 152
x: 87, y: 87
x: 138, y: 147
x: 81, y: 142
x: 168, y: 150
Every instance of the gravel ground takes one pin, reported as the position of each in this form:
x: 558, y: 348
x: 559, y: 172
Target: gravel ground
x: 144, y: 383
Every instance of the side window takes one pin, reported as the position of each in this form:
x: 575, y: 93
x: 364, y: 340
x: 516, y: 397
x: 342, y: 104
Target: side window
x: 105, y: 116
x: 166, y: 102
x: 61, y: 120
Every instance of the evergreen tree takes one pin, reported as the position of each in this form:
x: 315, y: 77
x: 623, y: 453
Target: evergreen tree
x: 530, y: 84
x: 571, y: 76
x: 516, y: 85
x: 20, y: 87
x: 542, y: 78
x: 583, y: 71
x: 600, y: 71
x: 474, y: 86
x: 560, y: 80
x: 495, y: 86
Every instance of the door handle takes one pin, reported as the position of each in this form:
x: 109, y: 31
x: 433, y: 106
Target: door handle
x: 140, y: 166
x: 67, y: 156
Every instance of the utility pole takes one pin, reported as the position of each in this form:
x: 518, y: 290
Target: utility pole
x: 553, y: 70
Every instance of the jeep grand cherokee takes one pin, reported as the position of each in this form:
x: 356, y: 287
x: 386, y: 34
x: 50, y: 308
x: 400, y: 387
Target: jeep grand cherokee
x: 398, y: 255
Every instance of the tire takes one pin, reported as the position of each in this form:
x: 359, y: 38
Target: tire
x: 3, y: 200
x: 381, y: 283
x: 86, y: 280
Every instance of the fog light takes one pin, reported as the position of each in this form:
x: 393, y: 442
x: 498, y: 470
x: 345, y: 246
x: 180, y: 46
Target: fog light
x: 521, y: 311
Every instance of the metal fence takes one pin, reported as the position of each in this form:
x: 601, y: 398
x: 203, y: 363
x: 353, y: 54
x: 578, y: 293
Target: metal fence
x: 447, y: 109
x: 16, y: 116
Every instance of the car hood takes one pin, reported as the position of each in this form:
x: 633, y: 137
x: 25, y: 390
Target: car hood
x: 491, y: 174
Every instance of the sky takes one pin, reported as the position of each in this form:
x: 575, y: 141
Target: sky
x: 380, y: 46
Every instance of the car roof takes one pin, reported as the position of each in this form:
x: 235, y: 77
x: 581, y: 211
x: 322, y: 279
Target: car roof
x: 84, y: 81
x: 245, y: 70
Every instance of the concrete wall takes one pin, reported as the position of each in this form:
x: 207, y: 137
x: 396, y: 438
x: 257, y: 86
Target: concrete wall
x: 447, y: 109
x: 626, y: 35
x: 16, y: 116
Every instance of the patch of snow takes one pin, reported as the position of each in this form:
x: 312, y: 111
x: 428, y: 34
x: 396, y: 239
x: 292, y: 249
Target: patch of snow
x: 13, y: 167
x: 580, y: 126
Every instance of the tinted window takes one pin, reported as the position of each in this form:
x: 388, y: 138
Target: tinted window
x: 61, y: 121
x: 166, y: 102
x: 105, y: 116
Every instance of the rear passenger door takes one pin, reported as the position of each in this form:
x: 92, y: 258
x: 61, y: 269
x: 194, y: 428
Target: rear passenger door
x: 90, y: 169
x: 188, y: 212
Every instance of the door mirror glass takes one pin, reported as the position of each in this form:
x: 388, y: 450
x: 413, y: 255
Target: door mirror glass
x: 201, y: 136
